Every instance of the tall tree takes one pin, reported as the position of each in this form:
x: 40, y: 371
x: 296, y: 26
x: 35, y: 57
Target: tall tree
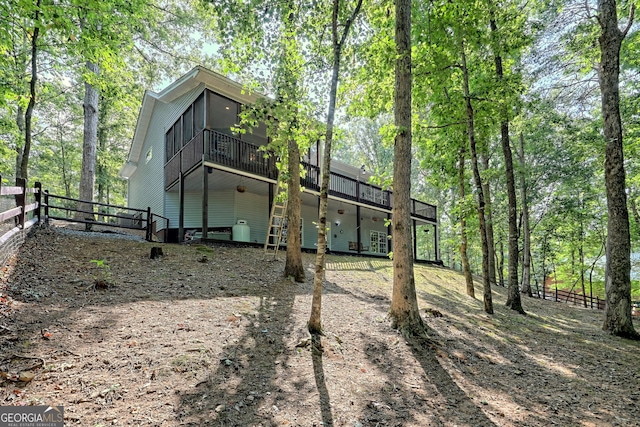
x: 90, y: 143
x: 513, y: 298
x: 488, y: 213
x: 618, y: 265
x: 404, y: 303
x: 266, y: 35
x: 289, y: 80
x: 462, y: 184
x: 525, y: 287
x: 337, y: 41
x: 471, y: 134
x: 23, y: 154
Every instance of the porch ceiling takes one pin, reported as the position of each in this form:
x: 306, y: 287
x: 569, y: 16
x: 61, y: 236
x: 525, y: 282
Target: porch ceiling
x: 220, y: 180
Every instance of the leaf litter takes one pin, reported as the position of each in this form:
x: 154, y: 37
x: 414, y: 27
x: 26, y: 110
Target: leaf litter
x: 175, y: 341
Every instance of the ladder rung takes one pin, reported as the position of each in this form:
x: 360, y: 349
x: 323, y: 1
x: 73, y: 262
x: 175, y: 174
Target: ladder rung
x: 275, y: 230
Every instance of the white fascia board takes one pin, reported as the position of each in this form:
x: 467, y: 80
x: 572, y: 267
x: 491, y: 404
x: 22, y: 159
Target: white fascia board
x: 127, y: 170
x: 142, y: 125
x: 213, y: 81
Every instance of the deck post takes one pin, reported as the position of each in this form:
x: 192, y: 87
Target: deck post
x: 148, y: 231
x: 389, y: 233
x: 415, y: 237
x: 271, y: 188
x: 436, y: 239
x: 205, y: 200
x: 46, y: 207
x: 181, y: 208
x: 358, y: 228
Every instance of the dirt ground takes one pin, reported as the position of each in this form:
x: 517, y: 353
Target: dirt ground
x: 214, y: 336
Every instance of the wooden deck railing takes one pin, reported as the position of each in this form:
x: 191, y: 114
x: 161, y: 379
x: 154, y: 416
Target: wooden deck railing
x: 231, y: 152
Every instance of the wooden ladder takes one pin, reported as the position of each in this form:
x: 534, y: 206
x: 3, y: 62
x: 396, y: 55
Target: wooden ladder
x: 276, y: 220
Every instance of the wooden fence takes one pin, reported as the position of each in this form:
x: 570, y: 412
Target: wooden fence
x: 14, y: 215
x: 572, y: 297
x: 22, y: 206
x: 102, y: 214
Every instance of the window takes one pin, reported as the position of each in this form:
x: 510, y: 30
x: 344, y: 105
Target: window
x: 198, y: 114
x: 187, y: 126
x: 379, y: 243
x: 257, y: 135
x: 169, y: 143
x: 222, y: 114
x: 177, y: 141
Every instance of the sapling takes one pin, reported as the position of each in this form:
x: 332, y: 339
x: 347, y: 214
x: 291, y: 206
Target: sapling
x: 103, y: 279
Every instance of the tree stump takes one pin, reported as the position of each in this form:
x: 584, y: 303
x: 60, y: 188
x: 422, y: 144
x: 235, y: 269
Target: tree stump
x: 156, y: 252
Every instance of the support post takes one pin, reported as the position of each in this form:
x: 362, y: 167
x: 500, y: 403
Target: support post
x: 415, y: 237
x: 38, y: 193
x: 181, y: 208
x: 205, y: 200
x: 46, y: 207
x: 358, y: 229
x: 389, y: 233
x: 149, y: 218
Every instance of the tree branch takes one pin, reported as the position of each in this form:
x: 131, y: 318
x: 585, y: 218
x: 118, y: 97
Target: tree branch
x: 632, y: 11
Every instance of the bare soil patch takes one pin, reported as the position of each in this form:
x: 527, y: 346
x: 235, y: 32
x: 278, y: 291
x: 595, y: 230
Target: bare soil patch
x: 214, y: 336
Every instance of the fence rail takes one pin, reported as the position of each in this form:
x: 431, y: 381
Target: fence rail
x: 22, y: 206
x: 67, y: 209
x: 17, y: 203
x: 572, y: 297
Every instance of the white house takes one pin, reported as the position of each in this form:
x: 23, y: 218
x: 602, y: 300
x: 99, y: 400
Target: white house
x: 187, y: 164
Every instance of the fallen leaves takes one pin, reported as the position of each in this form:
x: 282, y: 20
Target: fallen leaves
x: 20, y: 368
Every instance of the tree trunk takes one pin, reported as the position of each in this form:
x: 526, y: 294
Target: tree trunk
x: 466, y: 268
x: 315, y: 324
x: 618, y: 264
x: 513, y: 293
x: 525, y: 286
x: 288, y: 89
x: 63, y: 157
x: 101, y: 170
x: 88, y: 174
x: 488, y: 213
x: 19, y: 147
x: 404, y: 303
x: 500, y: 256
x: 636, y: 213
x: 488, y: 301
x: 23, y: 155
x: 293, y: 265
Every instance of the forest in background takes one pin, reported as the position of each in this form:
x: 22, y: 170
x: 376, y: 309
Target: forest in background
x: 548, y: 89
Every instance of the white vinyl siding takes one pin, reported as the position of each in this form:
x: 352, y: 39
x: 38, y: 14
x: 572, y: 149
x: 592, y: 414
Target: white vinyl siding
x: 254, y: 209
x: 225, y: 209
x: 146, y: 185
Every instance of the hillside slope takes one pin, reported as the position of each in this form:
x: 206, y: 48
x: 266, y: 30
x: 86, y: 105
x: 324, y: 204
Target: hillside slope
x: 214, y: 336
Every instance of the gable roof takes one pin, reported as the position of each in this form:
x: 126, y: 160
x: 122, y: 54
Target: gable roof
x: 198, y: 75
